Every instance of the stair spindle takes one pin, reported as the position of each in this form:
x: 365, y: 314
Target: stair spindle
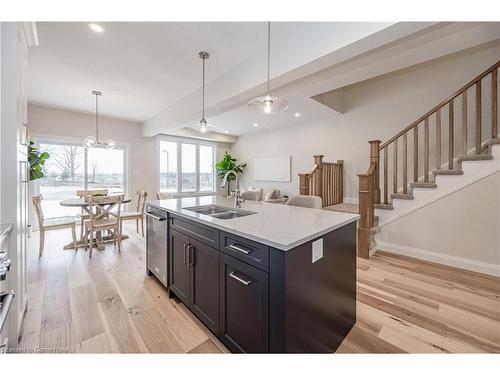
x: 478, y: 117
x: 451, y: 133
x: 494, y: 104
x: 415, y: 153
x: 438, y: 139
x: 426, y: 154
x: 464, y: 122
x: 386, y: 163
x: 405, y: 163
x: 395, y: 166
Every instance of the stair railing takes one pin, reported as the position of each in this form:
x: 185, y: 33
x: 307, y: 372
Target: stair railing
x: 325, y: 180
x: 370, y: 183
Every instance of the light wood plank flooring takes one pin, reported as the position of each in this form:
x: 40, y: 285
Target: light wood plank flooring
x: 108, y: 305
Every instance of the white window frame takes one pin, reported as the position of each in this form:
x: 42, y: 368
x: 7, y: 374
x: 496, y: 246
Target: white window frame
x: 58, y: 140
x: 179, y: 141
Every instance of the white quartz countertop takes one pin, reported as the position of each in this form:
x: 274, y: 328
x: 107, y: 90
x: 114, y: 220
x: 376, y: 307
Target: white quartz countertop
x: 281, y: 226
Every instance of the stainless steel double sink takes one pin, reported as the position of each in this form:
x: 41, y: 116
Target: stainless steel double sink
x: 220, y: 212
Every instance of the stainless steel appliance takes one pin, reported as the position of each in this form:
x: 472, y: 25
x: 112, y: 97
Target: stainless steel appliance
x: 6, y: 296
x: 157, y: 244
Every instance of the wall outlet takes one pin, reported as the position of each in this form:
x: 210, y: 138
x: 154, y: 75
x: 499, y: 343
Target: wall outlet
x: 317, y: 250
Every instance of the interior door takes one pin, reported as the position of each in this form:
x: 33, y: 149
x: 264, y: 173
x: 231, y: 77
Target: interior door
x: 179, y: 265
x: 244, y: 301
x: 204, y: 279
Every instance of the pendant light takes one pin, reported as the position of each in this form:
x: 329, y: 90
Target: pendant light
x: 92, y: 141
x: 203, y: 126
x: 268, y: 103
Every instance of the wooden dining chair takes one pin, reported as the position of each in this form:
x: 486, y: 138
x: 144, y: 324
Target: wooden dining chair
x: 51, y: 224
x: 138, y: 214
x: 82, y: 194
x: 101, y: 219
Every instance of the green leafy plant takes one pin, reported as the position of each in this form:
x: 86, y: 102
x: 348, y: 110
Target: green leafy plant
x: 229, y: 163
x: 37, y: 160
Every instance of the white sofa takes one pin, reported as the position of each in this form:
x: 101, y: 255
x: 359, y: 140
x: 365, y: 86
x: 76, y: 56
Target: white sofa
x: 271, y: 196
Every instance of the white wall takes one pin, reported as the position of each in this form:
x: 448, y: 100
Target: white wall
x: 60, y: 123
x: 461, y: 229
x: 376, y: 109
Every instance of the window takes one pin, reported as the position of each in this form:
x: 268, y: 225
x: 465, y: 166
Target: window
x: 71, y: 167
x: 186, y: 167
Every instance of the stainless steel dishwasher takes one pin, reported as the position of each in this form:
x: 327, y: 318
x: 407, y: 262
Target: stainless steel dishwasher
x: 157, y: 244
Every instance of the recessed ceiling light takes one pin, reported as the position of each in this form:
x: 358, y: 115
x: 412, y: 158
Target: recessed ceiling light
x: 255, y: 125
x: 225, y: 131
x: 95, y: 27
x: 296, y: 114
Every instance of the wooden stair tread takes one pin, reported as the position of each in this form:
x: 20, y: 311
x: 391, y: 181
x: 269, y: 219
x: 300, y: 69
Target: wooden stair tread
x: 424, y: 185
x: 383, y: 206
x: 402, y: 196
x: 447, y: 172
x: 475, y: 157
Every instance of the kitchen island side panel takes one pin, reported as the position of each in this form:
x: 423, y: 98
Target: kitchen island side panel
x: 319, y: 305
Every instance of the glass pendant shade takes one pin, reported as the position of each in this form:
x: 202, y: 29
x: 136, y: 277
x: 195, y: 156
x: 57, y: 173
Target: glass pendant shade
x: 204, y: 127
x: 268, y: 103
x: 89, y: 142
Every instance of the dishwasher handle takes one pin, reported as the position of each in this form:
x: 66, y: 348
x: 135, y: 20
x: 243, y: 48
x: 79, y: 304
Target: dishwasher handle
x: 155, y: 217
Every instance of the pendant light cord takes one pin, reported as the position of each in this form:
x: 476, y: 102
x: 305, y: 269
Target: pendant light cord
x: 203, y: 95
x: 97, y: 118
x: 269, y: 58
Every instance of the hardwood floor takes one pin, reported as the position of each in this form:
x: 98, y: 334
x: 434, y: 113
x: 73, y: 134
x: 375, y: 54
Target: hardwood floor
x: 108, y: 305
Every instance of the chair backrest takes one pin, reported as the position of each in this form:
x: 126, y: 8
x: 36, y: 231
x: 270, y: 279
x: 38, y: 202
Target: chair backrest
x: 141, y: 200
x: 100, y: 207
x: 163, y: 195
x: 309, y: 201
x: 252, y: 195
x: 37, y: 204
x: 98, y: 192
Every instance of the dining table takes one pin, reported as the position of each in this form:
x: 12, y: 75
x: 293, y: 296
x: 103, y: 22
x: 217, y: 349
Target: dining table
x: 100, y: 239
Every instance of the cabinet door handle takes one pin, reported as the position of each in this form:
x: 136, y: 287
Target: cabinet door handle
x: 185, y: 254
x: 191, y: 255
x: 240, y: 249
x: 240, y: 279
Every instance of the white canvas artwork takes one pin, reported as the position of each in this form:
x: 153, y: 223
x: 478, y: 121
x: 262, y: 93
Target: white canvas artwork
x: 273, y: 169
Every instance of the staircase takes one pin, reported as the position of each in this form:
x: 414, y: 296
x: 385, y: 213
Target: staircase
x: 460, y: 154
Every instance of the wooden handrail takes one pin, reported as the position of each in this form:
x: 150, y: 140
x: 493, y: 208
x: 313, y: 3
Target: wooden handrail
x: 440, y: 105
x: 324, y: 180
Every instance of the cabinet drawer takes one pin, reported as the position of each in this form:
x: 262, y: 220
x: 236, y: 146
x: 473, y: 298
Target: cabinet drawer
x: 251, y: 252
x: 200, y: 232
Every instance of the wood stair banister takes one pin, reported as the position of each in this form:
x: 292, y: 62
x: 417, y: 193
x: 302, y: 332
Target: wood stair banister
x: 372, y: 189
x: 325, y: 180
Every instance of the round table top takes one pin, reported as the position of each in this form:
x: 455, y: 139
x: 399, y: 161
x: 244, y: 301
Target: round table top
x: 80, y: 202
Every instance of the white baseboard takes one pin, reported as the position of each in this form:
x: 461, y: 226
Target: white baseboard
x: 448, y: 260
x: 351, y: 200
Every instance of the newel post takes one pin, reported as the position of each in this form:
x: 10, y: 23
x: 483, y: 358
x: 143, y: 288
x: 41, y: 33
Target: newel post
x: 318, y: 176
x: 304, y: 183
x: 364, y: 212
x: 375, y: 157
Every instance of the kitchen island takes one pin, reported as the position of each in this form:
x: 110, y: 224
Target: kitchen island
x: 266, y: 278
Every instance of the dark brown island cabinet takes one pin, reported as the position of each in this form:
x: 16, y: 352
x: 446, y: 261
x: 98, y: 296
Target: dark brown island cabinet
x: 259, y: 299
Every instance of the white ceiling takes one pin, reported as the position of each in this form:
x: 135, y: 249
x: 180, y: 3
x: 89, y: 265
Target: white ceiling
x: 144, y: 68
x: 150, y: 72
x: 140, y: 67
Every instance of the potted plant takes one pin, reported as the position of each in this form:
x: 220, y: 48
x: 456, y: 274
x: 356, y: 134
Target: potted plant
x: 36, y: 160
x: 226, y: 164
